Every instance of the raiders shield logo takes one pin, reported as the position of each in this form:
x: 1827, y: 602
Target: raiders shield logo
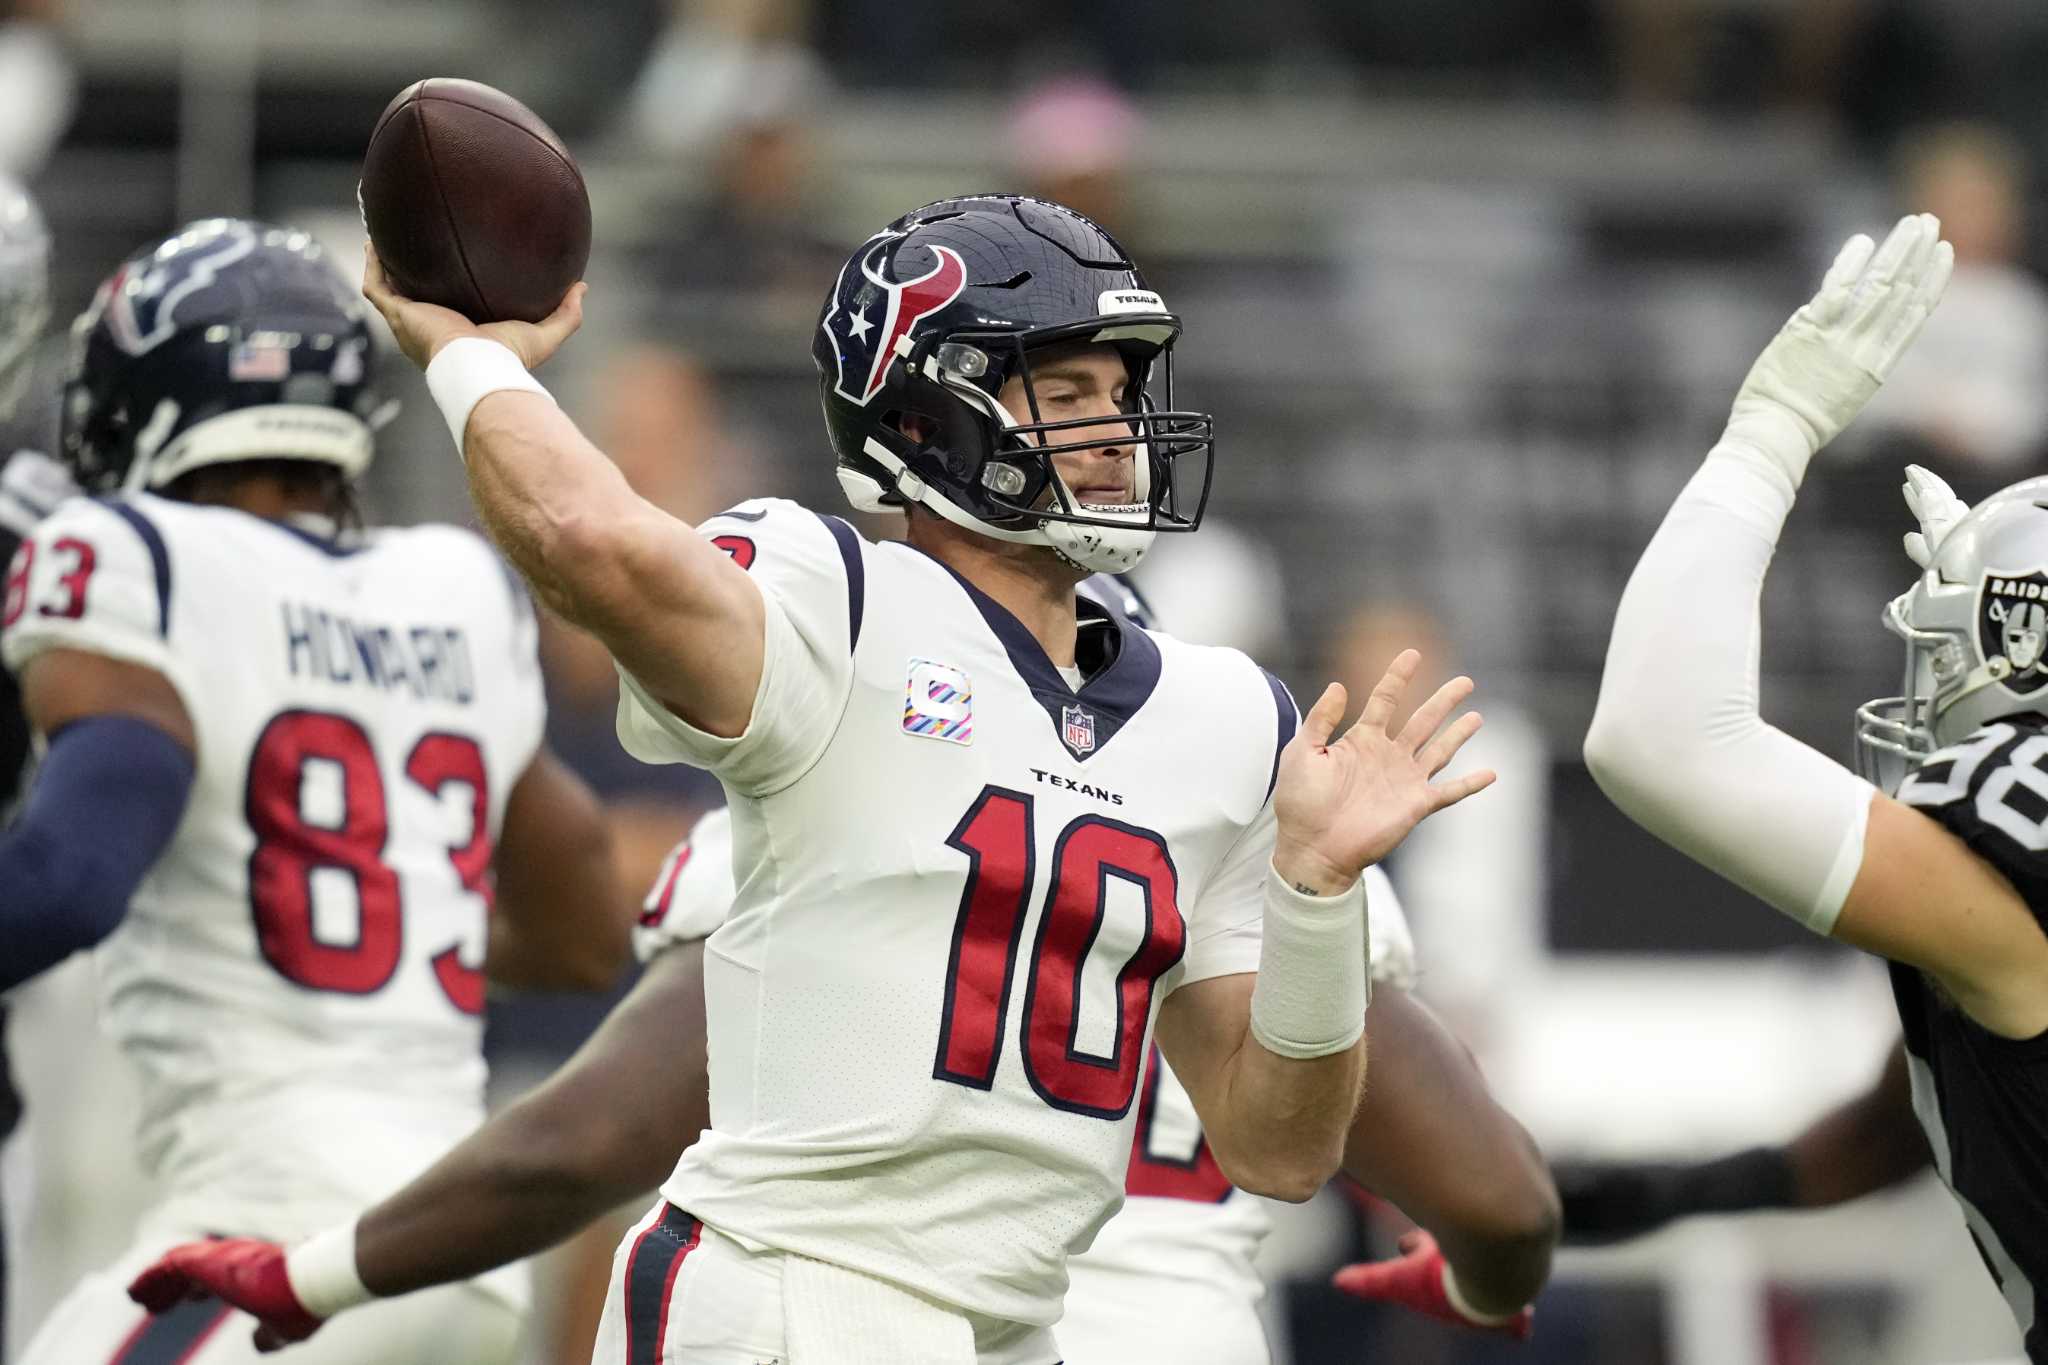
x: 2012, y: 623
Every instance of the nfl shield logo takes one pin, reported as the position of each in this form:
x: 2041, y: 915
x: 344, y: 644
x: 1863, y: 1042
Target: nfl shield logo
x: 1077, y: 728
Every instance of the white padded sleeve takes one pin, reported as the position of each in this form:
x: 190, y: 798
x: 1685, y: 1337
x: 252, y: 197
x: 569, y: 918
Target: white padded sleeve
x: 1677, y: 742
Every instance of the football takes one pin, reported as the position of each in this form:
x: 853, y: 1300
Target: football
x: 473, y: 203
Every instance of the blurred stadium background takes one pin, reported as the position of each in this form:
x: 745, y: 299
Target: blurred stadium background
x: 1468, y: 284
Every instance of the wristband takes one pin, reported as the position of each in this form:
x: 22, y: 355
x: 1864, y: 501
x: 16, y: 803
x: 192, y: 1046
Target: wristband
x: 468, y: 369
x: 322, y: 1272
x: 1310, y: 996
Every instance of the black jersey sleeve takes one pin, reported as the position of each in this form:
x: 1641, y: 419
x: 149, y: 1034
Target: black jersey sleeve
x: 1991, y: 791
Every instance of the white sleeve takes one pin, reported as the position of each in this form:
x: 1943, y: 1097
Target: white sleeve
x: 810, y: 572
x: 1677, y: 742
x: 1225, y: 926
x: 693, y: 892
x: 1390, y: 948
x: 96, y: 577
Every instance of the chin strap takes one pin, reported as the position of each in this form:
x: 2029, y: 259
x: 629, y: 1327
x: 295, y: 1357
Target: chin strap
x: 1093, y: 548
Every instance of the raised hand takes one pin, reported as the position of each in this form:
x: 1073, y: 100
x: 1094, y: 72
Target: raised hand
x: 1343, y: 804
x: 1831, y: 356
x: 242, y: 1271
x: 424, y: 328
x: 1935, y: 506
x: 1420, y: 1279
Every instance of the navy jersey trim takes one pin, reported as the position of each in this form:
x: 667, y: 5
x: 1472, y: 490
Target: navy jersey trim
x: 1109, y: 700
x: 1290, y: 720
x: 651, y: 1269
x: 172, y: 1336
x: 856, y: 575
x: 326, y: 545
x: 159, y: 558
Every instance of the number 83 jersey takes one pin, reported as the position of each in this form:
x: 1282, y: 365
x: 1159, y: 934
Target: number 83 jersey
x: 964, y: 887
x: 299, y: 976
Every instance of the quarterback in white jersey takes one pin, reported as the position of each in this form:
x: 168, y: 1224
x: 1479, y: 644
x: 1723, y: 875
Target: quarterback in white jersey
x: 980, y: 844
x: 293, y: 748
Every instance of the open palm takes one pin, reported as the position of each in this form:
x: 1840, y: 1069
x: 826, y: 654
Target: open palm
x: 1346, y: 802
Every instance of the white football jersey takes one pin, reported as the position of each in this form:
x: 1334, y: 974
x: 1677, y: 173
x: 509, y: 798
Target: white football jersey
x: 963, y: 889
x: 299, y: 976
x: 1171, y: 1276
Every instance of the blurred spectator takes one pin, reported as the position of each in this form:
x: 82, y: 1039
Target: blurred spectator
x: 1071, y: 140
x: 38, y: 84
x: 744, y: 253
x: 1971, y: 390
x: 1879, y: 63
x: 1472, y: 882
x: 716, y: 64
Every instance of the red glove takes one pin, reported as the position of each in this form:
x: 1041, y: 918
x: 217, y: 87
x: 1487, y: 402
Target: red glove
x: 248, y: 1274
x: 1419, y: 1279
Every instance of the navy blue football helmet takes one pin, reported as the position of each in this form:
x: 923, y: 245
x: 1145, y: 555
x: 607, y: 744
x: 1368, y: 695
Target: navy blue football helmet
x: 228, y: 341
x: 932, y: 315
x: 24, y: 291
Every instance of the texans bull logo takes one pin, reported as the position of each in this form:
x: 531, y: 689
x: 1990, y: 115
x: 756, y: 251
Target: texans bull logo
x: 2012, y: 622
x: 867, y: 321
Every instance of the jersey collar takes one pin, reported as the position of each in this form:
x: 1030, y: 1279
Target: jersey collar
x: 1084, y: 720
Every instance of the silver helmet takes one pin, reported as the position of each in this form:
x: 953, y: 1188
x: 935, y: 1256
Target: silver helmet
x: 24, y: 290
x: 1976, y: 633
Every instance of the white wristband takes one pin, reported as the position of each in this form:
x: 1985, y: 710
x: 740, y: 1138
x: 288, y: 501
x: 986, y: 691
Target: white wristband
x: 467, y: 370
x: 1310, y: 996
x: 322, y: 1272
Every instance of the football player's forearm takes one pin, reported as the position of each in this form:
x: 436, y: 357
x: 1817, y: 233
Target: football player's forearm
x: 1430, y: 1138
x: 605, y: 1128
x: 542, y: 490
x: 1284, y: 1118
x: 1871, y: 1143
x: 564, y: 921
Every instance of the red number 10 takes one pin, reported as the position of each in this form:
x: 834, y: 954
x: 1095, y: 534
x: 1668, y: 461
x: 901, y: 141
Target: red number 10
x: 996, y: 836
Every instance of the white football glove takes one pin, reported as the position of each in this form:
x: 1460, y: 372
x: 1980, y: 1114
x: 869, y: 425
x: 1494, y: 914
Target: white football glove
x: 1937, y: 508
x: 1827, y: 361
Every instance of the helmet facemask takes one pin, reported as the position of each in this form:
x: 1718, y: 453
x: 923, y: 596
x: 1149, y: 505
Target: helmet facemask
x: 1003, y: 475
x: 1895, y: 734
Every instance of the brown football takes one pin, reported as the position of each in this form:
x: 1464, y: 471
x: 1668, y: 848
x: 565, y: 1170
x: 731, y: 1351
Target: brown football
x: 473, y: 203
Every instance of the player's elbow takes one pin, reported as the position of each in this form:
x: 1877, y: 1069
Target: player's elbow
x: 1623, y: 755
x: 1522, y: 1223
x: 1292, y: 1175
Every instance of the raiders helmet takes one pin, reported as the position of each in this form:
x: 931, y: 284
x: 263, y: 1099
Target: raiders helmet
x: 24, y: 291
x: 1976, y: 633
x: 932, y: 315
x: 230, y: 340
